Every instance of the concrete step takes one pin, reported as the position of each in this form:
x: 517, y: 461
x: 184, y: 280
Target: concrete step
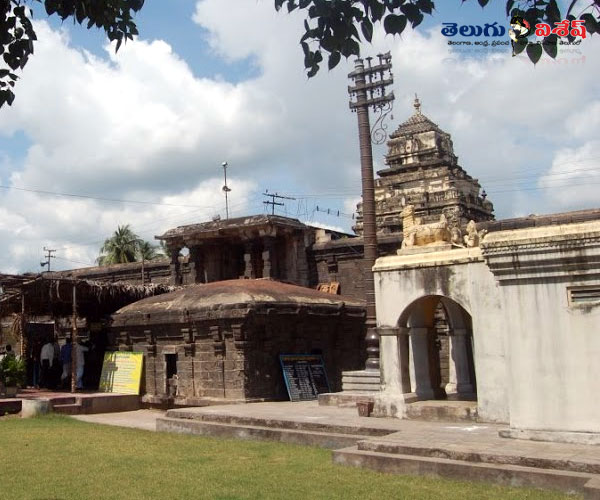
x: 67, y: 409
x: 330, y: 440
x: 346, y: 399
x: 442, y: 411
x: 511, y: 475
x: 363, y: 387
x: 362, y: 380
x: 274, y: 423
x: 489, y: 457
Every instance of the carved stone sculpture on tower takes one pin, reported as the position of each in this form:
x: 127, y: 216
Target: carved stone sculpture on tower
x: 417, y: 234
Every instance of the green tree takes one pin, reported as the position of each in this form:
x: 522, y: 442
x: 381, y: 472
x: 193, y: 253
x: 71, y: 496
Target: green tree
x: 17, y: 35
x: 122, y: 247
x: 333, y: 28
x: 148, y: 251
x: 336, y: 28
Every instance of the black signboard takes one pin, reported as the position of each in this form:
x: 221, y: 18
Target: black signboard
x: 304, y: 375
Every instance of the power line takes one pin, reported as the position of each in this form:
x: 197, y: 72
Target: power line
x: 274, y: 196
x: 112, y: 200
x: 49, y: 252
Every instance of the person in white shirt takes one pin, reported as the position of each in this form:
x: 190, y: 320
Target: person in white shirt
x: 46, y: 359
x: 79, y: 350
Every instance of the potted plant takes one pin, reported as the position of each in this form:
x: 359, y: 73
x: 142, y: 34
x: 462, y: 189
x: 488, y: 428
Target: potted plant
x: 12, y: 374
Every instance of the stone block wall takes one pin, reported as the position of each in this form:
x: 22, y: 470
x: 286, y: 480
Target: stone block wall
x: 237, y: 358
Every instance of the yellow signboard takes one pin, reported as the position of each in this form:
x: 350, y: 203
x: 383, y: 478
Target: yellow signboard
x: 121, y: 372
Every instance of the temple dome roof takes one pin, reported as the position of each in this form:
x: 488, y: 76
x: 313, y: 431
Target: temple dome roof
x: 417, y: 123
x: 231, y: 294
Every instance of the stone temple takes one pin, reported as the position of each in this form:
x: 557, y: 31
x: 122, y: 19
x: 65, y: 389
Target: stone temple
x: 423, y: 171
x: 500, y: 315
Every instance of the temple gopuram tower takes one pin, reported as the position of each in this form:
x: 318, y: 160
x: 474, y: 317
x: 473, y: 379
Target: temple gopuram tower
x: 423, y: 171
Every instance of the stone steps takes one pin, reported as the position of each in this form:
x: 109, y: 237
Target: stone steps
x: 330, y: 440
x: 469, y: 455
x: 67, y: 408
x: 501, y: 473
x: 442, y: 411
x: 363, y: 381
x: 275, y: 423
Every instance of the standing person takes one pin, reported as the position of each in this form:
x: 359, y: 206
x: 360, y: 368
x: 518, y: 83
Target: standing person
x: 80, y: 360
x: 65, y: 359
x: 34, y: 358
x: 56, y: 364
x: 46, y: 359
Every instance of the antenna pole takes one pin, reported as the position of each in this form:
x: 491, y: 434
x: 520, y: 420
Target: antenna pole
x: 226, y: 189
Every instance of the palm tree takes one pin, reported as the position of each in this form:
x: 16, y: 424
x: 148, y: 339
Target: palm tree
x: 148, y: 251
x: 123, y: 246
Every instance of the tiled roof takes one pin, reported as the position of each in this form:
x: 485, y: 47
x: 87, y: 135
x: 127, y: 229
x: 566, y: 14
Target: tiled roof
x: 415, y: 124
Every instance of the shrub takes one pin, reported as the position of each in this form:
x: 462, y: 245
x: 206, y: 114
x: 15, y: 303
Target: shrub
x: 12, y: 371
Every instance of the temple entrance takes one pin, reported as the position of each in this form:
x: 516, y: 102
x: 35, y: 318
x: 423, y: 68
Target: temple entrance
x: 439, y: 350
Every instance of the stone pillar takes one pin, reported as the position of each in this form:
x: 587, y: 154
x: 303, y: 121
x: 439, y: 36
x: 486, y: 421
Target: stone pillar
x: 249, y: 272
x: 212, y: 263
x: 420, y: 349
x: 268, y: 258
x: 196, y: 265
x: 460, y: 374
x: 175, y: 267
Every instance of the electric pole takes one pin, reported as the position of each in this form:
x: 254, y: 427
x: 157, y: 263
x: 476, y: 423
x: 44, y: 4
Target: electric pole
x: 273, y: 202
x: 49, y: 252
x: 369, y: 90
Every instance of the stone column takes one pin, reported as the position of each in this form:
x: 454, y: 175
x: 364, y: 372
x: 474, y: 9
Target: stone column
x: 196, y: 265
x: 248, y: 267
x: 176, y: 278
x: 420, y: 349
x: 268, y: 257
x: 459, y: 367
x: 212, y: 263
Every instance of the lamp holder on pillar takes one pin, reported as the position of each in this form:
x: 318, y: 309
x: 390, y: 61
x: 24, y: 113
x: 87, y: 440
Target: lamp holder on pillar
x: 369, y: 91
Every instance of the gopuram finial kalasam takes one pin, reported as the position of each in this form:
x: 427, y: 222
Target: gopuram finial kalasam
x: 417, y: 105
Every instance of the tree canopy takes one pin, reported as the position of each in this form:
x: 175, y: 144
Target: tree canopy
x: 337, y: 28
x: 17, y: 35
x: 333, y: 28
x: 126, y: 246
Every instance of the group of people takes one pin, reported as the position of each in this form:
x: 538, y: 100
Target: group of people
x: 52, y: 364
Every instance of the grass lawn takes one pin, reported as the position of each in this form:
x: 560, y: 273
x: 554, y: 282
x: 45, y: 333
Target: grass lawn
x: 58, y: 457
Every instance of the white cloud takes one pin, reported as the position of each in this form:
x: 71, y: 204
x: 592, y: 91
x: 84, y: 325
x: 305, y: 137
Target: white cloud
x: 143, y: 125
x: 574, y: 179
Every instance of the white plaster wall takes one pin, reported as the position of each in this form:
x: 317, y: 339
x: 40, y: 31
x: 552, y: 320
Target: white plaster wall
x: 554, y: 358
x: 473, y: 286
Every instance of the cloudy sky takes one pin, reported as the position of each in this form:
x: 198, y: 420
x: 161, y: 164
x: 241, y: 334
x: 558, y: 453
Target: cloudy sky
x: 139, y: 137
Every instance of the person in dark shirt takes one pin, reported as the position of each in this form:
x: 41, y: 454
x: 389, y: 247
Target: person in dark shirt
x: 65, y: 359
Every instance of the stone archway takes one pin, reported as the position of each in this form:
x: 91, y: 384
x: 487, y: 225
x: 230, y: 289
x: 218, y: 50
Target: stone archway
x: 430, y: 324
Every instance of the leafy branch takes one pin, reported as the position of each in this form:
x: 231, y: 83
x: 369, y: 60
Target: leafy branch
x: 336, y: 28
x: 17, y: 35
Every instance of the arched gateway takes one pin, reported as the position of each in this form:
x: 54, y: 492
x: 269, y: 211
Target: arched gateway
x: 438, y: 349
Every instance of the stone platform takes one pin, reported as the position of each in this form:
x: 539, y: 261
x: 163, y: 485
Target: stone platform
x: 73, y: 403
x: 459, y: 450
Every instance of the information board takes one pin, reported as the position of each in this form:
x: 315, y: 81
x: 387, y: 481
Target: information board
x: 121, y: 372
x: 304, y: 375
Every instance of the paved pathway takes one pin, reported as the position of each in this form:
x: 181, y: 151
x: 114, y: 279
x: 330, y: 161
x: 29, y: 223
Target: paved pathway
x: 455, y: 437
x: 138, y: 419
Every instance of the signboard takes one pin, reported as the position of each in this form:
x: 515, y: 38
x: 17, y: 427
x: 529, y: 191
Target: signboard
x: 121, y: 372
x: 304, y: 375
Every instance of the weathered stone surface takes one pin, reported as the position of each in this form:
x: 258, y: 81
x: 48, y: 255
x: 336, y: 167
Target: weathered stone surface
x: 239, y: 329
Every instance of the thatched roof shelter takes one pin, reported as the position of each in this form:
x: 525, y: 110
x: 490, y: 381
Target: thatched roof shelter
x: 52, y: 294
